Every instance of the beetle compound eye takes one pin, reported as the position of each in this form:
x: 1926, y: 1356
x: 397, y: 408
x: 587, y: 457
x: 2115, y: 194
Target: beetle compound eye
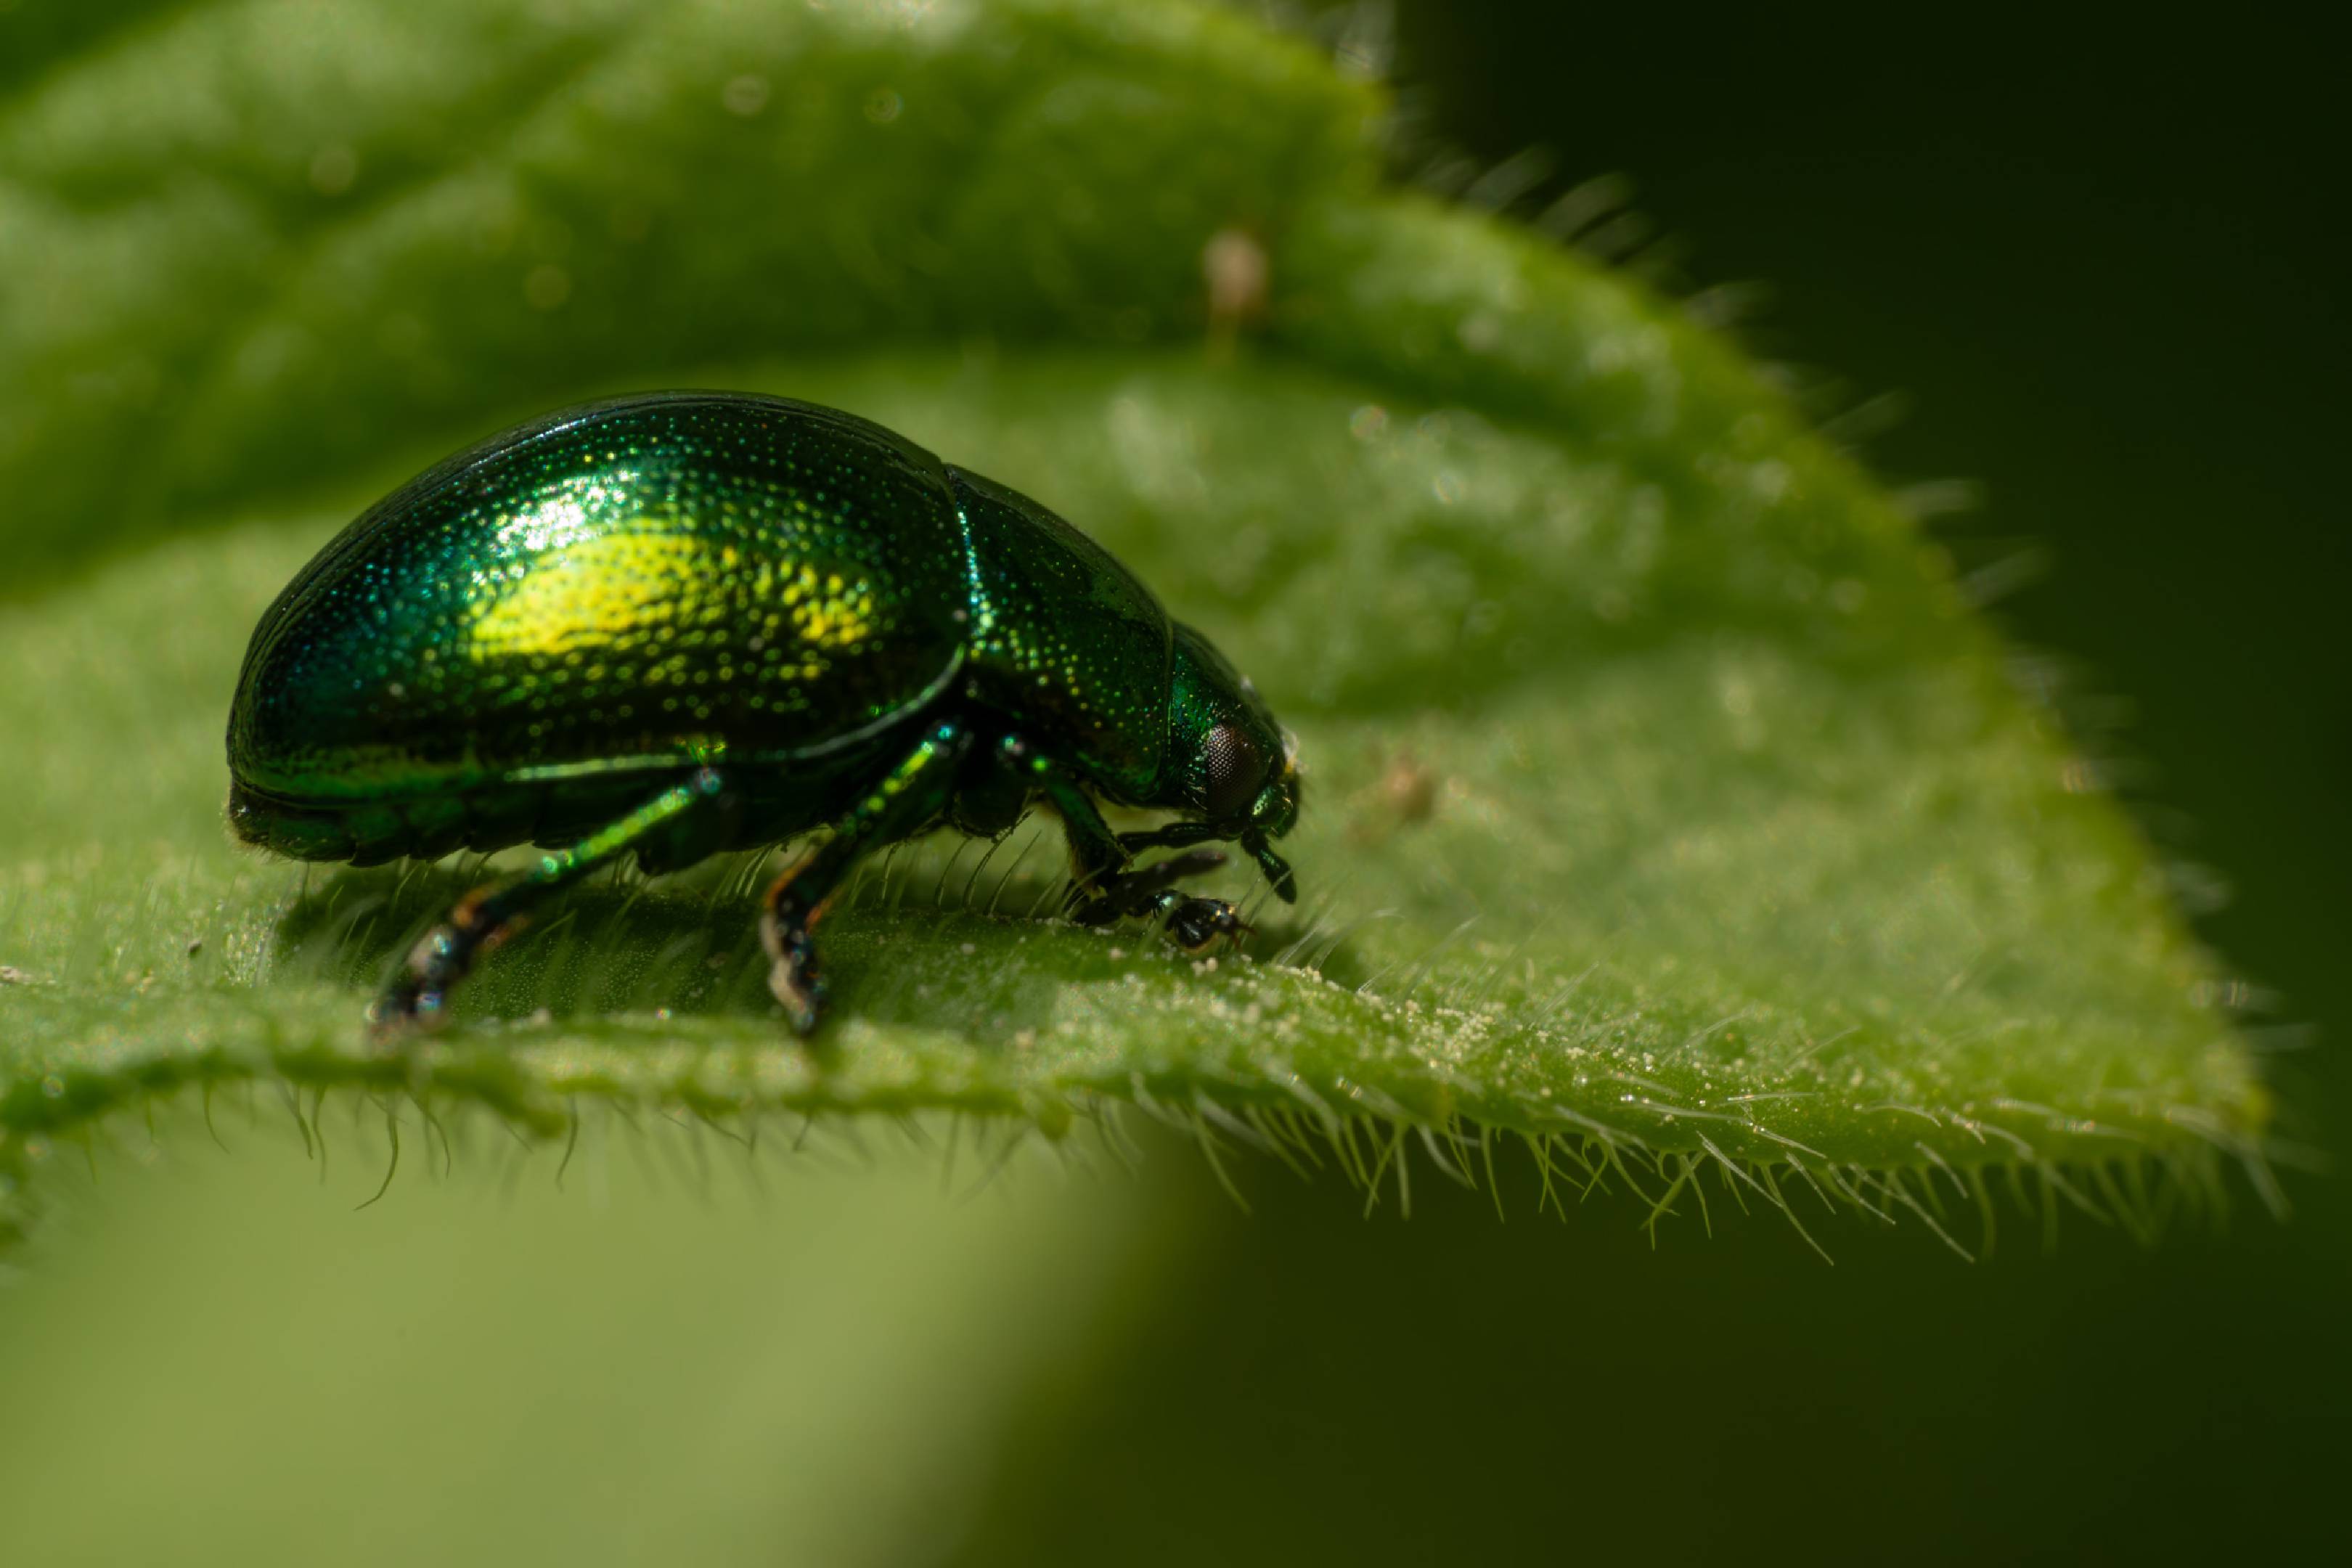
x: 1232, y: 769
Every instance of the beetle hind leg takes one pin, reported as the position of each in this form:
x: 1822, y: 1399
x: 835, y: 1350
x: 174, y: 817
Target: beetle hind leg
x: 418, y: 992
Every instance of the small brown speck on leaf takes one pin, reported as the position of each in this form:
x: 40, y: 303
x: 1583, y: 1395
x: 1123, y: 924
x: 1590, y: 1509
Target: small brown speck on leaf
x: 1403, y: 795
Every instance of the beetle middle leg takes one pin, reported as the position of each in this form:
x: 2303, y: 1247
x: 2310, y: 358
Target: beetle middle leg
x: 487, y: 916
x: 914, y: 791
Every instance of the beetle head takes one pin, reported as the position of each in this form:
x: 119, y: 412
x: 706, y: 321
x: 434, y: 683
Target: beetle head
x: 1228, y: 759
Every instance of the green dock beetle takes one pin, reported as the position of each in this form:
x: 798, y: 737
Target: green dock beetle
x: 681, y: 623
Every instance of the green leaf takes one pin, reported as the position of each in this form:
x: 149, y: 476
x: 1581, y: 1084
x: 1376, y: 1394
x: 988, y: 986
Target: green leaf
x: 1667, y: 805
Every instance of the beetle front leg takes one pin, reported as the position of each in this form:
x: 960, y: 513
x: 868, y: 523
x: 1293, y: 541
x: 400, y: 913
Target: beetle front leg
x: 1103, y: 888
x: 484, y: 918
x: 914, y: 791
x: 1193, y: 922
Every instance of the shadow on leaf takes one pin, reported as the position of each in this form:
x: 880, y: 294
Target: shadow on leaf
x: 917, y: 939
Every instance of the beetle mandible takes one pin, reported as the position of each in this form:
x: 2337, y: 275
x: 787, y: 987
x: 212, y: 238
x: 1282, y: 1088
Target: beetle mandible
x: 679, y: 623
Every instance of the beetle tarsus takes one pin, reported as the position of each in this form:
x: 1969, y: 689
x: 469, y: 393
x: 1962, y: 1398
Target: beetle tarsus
x: 1142, y: 890
x: 417, y: 994
x: 1199, y: 924
x: 786, y: 919
x: 1192, y: 922
x: 793, y: 977
x: 412, y: 998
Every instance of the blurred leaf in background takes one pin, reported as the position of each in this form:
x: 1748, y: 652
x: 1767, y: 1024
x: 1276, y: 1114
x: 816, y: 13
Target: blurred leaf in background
x: 1668, y: 801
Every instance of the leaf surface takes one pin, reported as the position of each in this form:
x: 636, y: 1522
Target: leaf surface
x: 1666, y: 804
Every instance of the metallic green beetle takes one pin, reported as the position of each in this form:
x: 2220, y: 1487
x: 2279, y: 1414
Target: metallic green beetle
x: 679, y: 623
